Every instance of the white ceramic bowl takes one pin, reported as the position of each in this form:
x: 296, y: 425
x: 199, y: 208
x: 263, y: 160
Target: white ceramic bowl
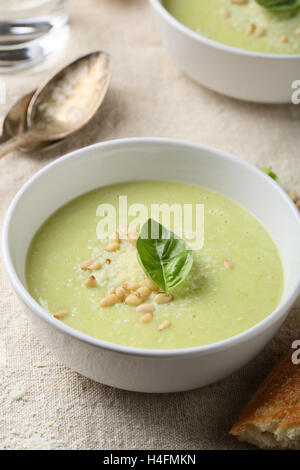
x: 137, y: 159
x: 246, y: 75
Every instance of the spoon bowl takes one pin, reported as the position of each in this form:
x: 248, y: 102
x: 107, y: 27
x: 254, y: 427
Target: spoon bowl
x: 61, y: 106
x: 15, y: 123
x: 69, y: 100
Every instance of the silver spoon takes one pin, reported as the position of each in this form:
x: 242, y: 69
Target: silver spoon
x: 65, y: 103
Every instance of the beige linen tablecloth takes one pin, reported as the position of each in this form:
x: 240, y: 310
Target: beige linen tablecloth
x: 43, y: 403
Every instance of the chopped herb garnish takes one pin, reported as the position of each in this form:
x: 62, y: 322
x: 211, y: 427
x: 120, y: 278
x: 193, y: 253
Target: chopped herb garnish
x: 270, y: 173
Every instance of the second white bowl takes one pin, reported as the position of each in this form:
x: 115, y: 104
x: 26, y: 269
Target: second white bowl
x: 246, y: 75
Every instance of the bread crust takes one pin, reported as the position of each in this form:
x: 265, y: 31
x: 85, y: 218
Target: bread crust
x: 272, y: 417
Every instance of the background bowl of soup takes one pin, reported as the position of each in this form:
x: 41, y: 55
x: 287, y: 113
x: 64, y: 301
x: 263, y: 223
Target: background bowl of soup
x: 153, y: 159
x: 252, y: 70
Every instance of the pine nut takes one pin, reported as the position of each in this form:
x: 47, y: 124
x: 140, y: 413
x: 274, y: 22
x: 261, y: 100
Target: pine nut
x: 113, y: 246
x: 86, y: 264
x: 62, y: 314
x: 120, y: 293
x: 145, y: 308
x: 228, y: 265
x: 150, y: 284
x: 224, y: 12
x: 283, y: 38
x: 114, y: 237
x: 146, y: 318
x: 91, y: 282
x: 251, y: 28
x: 260, y: 32
x: 297, y: 32
x: 143, y: 292
x: 109, y: 301
x: 132, y: 299
x: 164, y: 325
x: 163, y: 298
x: 293, y: 196
x: 131, y: 286
x: 95, y: 266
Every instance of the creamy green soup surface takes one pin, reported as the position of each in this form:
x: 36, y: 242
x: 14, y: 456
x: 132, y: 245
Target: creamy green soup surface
x: 212, y: 304
x: 248, y: 26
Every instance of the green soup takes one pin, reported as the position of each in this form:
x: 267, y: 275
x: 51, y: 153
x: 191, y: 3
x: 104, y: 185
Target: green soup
x: 247, y: 26
x: 212, y: 304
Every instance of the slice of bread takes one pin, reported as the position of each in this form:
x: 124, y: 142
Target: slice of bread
x: 272, y: 418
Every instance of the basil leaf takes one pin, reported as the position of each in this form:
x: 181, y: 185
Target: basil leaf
x: 270, y: 173
x: 280, y: 5
x: 165, y: 258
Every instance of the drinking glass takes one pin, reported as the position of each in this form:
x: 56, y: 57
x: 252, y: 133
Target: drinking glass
x: 31, y: 31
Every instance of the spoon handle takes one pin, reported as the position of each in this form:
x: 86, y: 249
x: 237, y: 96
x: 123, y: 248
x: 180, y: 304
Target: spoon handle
x: 16, y: 142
